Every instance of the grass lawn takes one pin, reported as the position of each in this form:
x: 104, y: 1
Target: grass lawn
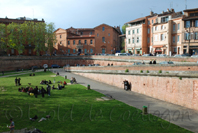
x: 72, y: 109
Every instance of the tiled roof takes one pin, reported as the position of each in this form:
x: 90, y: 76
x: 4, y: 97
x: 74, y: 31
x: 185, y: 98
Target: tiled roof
x: 136, y: 20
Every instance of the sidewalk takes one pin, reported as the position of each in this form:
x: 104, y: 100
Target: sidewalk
x: 181, y: 116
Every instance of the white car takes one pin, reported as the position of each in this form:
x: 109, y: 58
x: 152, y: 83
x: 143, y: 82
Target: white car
x: 45, y: 66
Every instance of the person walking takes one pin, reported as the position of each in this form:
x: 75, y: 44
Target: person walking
x: 19, y: 81
x: 11, y: 126
x: 48, y: 89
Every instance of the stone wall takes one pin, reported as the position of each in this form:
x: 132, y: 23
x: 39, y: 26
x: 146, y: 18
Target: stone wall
x: 171, y: 89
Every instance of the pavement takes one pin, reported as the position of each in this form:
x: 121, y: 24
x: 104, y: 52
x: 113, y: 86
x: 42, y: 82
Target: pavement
x: 178, y: 115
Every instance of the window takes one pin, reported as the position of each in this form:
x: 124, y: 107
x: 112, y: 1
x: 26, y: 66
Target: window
x: 12, y: 51
x: 91, y: 42
x: 133, y: 31
x: 148, y: 40
x: 196, y: 23
x: 151, y: 39
x: 68, y: 42
x: 137, y: 39
x: 156, y: 37
x: 103, y: 39
x: 133, y: 40
x: 85, y: 41
x: 129, y: 32
x: 148, y: 22
x: 164, y: 19
x: 30, y: 51
x: 156, y: 20
x: 152, y: 21
x: 155, y: 28
x: 162, y: 27
x: 97, y: 35
x: 91, y: 33
x: 187, y: 24
x: 173, y: 39
x: 91, y: 50
x: 178, y: 38
x: 85, y: 51
x: 174, y: 27
x: 129, y: 41
x: 175, y: 49
x: 73, y: 42
x: 178, y: 26
x: 152, y: 29
x: 60, y: 36
x: 74, y: 50
x: 186, y: 36
x: 137, y: 30
x: 103, y: 28
x: 162, y: 37
x: 81, y: 33
x: 79, y: 42
x: 196, y: 35
x: 109, y: 34
x: 60, y: 42
x: 68, y: 51
x: 148, y: 30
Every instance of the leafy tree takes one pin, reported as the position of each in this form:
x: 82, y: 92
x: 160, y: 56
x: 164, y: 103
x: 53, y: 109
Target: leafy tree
x: 3, y: 37
x: 50, y: 37
x: 122, y: 51
x: 124, y: 29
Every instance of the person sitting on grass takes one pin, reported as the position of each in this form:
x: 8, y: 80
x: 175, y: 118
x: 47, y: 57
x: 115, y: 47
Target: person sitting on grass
x: 30, y: 90
x: 73, y: 80
x: 53, y: 87
x: 23, y: 89
x: 50, y: 82
x: 64, y: 83
x: 20, y: 90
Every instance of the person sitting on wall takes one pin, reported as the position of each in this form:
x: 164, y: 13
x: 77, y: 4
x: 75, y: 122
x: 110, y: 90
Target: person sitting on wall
x: 126, y: 85
x: 154, y: 62
x: 112, y: 64
x: 150, y: 62
x: 143, y: 62
x: 108, y: 64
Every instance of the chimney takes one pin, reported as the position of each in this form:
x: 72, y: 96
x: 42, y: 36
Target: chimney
x: 168, y: 10
x: 172, y: 10
x: 162, y: 12
x: 151, y: 13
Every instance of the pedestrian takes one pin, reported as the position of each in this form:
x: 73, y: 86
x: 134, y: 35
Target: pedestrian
x: 2, y: 72
x: 11, y: 126
x: 43, y: 92
x: 16, y: 81
x: 19, y: 81
x: 48, y: 89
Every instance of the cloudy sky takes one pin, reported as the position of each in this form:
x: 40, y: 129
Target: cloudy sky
x: 88, y: 13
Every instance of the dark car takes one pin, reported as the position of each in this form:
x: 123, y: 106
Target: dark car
x: 55, y: 66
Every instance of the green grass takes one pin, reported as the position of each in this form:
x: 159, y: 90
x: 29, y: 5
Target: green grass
x: 73, y: 109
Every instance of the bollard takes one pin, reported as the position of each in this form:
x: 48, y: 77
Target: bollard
x: 65, y: 76
x: 88, y: 87
x: 144, y: 110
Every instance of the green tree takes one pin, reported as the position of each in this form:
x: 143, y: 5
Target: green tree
x: 3, y: 37
x: 50, y: 37
x: 124, y: 29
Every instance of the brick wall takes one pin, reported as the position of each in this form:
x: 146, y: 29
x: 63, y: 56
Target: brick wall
x: 181, y: 92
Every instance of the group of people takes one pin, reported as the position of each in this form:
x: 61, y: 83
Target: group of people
x: 154, y: 62
x: 73, y: 81
x: 36, y: 91
x: 45, y: 82
x: 17, y: 81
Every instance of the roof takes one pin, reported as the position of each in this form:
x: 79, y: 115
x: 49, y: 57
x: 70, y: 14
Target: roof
x: 123, y: 35
x: 188, y: 10
x: 190, y: 18
x: 116, y: 29
x: 136, y: 20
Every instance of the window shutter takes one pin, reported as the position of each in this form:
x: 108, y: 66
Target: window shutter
x: 185, y: 36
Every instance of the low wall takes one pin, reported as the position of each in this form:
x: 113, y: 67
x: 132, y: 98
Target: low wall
x: 181, y: 92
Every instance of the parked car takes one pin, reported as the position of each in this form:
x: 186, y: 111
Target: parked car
x: 135, y: 55
x: 45, y: 66
x: 177, y: 55
x: 46, y: 55
x: 55, y: 66
x: 96, y: 64
x: 166, y: 62
x: 146, y: 55
x: 138, y: 63
x: 186, y: 54
x: 121, y: 54
x: 34, y: 67
x: 196, y: 56
x: 161, y: 55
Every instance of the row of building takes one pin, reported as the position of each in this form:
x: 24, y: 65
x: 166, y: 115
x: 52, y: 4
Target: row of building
x: 167, y: 33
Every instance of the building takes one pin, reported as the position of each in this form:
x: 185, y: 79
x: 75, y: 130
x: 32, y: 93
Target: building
x: 101, y: 39
x: 29, y: 49
x: 190, y: 31
x: 136, y: 36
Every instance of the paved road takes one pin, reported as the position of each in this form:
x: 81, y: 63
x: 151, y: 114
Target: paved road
x: 181, y: 116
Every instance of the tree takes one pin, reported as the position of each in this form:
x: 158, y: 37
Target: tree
x: 50, y: 37
x: 122, y: 51
x: 3, y: 36
x: 124, y: 29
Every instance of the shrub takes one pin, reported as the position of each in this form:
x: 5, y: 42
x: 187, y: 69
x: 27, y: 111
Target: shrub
x: 147, y: 71
x: 160, y: 71
x: 141, y: 71
x: 180, y: 78
x: 127, y: 70
x: 167, y: 72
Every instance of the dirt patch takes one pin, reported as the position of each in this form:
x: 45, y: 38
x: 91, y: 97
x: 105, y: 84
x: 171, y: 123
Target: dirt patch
x: 99, y: 99
x: 53, y: 76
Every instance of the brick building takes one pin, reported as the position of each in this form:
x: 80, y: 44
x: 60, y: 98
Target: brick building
x: 101, y: 39
x: 29, y: 49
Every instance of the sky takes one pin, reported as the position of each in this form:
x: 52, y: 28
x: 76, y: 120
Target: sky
x: 89, y: 13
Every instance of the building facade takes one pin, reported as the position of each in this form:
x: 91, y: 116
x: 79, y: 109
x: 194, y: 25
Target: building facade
x: 101, y: 39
